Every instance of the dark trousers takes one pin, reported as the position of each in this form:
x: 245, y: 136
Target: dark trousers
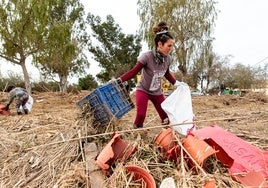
x: 21, y: 100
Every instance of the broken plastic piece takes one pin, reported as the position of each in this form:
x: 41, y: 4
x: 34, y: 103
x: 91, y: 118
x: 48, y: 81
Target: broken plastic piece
x: 239, y: 155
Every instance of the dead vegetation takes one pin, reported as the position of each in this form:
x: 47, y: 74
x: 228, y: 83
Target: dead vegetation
x: 46, y: 147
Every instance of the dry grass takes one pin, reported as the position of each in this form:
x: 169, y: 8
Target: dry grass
x: 46, y: 147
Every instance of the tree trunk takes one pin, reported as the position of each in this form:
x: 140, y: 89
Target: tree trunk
x: 26, y: 77
x: 202, y: 83
x: 183, y: 69
x: 63, y: 83
x: 208, y: 82
x: 183, y: 62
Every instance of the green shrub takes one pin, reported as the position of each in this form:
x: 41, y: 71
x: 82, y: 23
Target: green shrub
x: 87, y: 83
x: 14, y: 79
x: 75, y: 89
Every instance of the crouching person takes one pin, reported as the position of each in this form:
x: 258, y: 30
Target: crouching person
x: 21, y: 97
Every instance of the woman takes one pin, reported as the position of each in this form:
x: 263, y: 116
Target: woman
x: 21, y: 97
x: 153, y: 65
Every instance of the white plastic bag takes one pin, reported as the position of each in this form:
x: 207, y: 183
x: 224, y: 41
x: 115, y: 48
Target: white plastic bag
x: 168, y: 183
x: 29, y: 103
x: 178, y: 107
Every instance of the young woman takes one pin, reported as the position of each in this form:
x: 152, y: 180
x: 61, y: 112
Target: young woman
x: 153, y: 65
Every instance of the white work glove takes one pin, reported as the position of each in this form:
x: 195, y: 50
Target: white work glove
x: 177, y: 83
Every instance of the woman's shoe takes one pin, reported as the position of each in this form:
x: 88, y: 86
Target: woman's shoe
x: 26, y: 111
x: 165, y: 121
x: 137, y: 126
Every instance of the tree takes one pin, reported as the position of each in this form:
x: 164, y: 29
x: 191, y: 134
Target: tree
x: 243, y: 76
x: 63, y: 53
x: 209, y: 71
x: 191, y: 23
x: 201, y: 65
x: 23, y: 23
x: 87, y: 82
x: 207, y: 65
x: 260, y: 80
x: 46, y: 31
x: 115, y: 51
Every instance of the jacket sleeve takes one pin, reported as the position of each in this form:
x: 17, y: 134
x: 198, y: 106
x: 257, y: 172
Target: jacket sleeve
x: 24, y: 90
x: 170, y: 77
x: 132, y: 73
x: 11, y: 96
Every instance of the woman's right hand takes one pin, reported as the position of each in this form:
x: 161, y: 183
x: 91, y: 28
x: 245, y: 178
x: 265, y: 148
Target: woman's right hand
x: 7, y: 107
x: 177, y: 83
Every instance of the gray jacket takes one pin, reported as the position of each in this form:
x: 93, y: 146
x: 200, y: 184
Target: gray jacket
x: 16, y: 92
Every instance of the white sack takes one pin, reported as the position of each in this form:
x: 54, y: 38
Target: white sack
x: 178, y: 107
x: 29, y: 103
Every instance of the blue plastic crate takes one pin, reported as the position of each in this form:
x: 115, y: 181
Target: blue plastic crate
x: 116, y: 98
x: 108, y: 100
x: 92, y: 99
x: 102, y: 114
x: 95, y: 104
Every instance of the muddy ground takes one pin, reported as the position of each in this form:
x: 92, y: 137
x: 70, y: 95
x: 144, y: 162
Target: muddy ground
x: 41, y: 149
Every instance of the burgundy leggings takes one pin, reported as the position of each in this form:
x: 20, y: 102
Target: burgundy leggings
x: 142, y: 99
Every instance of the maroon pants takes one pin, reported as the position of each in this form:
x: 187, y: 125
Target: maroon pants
x: 142, y: 99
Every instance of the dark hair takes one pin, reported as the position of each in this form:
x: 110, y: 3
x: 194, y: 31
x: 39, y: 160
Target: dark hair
x: 162, y: 34
x: 9, y: 88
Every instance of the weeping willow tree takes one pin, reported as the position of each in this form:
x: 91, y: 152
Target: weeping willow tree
x: 190, y: 21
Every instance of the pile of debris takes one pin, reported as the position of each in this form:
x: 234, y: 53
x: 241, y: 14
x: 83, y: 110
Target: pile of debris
x: 209, y: 157
x: 180, y: 147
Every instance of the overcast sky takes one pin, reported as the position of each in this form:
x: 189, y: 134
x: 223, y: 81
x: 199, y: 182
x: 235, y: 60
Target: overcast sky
x: 241, y: 29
